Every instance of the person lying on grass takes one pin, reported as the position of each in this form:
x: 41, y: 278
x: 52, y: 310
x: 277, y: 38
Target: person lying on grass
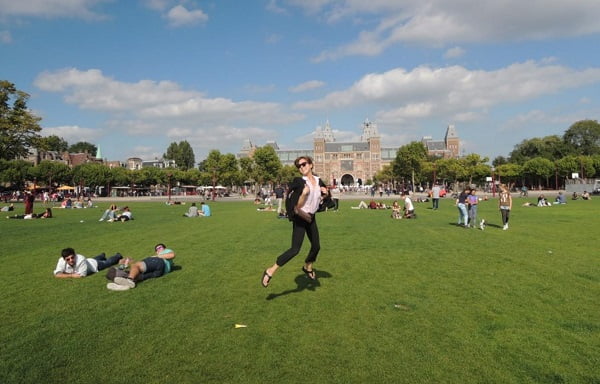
x: 73, y: 265
x: 150, y: 267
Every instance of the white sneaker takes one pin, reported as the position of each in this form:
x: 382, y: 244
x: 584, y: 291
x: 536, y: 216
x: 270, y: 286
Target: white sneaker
x: 110, y: 220
x: 125, y: 281
x: 117, y: 287
x: 101, y: 220
x: 505, y: 227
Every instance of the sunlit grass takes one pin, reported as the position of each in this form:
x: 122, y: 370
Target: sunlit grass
x: 397, y: 301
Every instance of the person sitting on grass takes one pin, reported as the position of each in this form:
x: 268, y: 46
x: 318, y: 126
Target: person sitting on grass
x: 396, y: 211
x: 585, y: 195
x: 110, y: 213
x: 150, y: 267
x: 409, y: 208
x: 125, y: 216
x: 192, y: 211
x: 73, y: 265
x: 204, y: 210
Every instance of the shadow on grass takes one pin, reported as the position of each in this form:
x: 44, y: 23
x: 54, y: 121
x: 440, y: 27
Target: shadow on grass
x: 302, y: 283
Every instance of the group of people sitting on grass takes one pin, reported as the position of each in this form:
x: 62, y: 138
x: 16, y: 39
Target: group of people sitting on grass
x: 194, y: 211
x: 398, y: 212
x: 584, y: 196
x: 73, y: 265
x: 114, y: 213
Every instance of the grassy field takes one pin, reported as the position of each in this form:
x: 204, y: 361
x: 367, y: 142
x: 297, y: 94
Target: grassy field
x: 396, y: 301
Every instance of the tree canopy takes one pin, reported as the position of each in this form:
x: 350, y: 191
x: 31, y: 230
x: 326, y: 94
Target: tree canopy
x: 18, y: 126
x: 182, y: 153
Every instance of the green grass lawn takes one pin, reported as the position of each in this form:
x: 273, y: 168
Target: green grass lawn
x: 397, y: 301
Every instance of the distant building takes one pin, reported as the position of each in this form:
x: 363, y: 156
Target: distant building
x: 134, y: 163
x: 71, y: 159
x: 353, y: 163
x: 447, y: 148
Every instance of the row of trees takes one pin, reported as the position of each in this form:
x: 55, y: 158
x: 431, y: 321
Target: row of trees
x: 543, y: 162
x: 539, y: 162
x: 223, y: 169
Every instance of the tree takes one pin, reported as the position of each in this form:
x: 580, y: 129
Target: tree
x: 267, y: 164
x: 549, y: 147
x: 53, y: 172
x: 539, y: 168
x: 408, y: 161
x: 509, y: 173
x: 385, y: 175
x: 83, y: 147
x: 584, y: 137
x: 52, y: 143
x: 15, y: 172
x: 92, y: 175
x: 286, y: 173
x: 182, y: 153
x: 18, y: 126
x: 475, y: 167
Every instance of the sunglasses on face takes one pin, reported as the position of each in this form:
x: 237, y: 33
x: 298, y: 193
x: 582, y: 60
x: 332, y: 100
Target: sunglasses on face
x: 302, y: 165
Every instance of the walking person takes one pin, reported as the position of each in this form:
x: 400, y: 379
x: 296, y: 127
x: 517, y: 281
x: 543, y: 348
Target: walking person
x: 435, y: 196
x: 461, y: 203
x: 505, y: 202
x: 473, y: 200
x: 303, y: 201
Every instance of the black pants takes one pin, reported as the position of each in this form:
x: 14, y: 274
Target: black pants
x: 299, y: 229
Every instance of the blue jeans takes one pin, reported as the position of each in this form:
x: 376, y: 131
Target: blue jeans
x: 473, y: 215
x: 462, y: 214
x: 103, y: 262
x: 436, y: 203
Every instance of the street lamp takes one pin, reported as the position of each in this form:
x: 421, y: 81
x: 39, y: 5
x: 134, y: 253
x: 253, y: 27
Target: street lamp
x: 493, y: 183
x: 169, y: 190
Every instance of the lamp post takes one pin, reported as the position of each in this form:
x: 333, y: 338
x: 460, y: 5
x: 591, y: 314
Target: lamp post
x: 214, y: 184
x: 169, y: 190
x: 493, y: 183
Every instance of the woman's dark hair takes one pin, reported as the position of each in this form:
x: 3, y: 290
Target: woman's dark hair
x: 307, y: 158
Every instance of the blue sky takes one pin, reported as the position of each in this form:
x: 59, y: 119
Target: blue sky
x: 134, y: 76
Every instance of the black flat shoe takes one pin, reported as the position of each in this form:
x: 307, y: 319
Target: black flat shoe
x: 310, y: 274
x: 262, y: 281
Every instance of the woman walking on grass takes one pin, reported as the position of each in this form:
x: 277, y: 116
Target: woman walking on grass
x: 303, y: 201
x: 505, y: 201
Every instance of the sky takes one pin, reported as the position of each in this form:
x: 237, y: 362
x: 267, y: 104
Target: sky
x: 134, y: 76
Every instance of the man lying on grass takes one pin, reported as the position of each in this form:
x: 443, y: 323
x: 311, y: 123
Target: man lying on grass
x: 72, y: 265
x: 153, y: 266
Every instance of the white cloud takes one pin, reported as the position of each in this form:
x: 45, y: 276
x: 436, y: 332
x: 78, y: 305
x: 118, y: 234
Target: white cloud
x: 307, y: 86
x: 454, y: 53
x: 180, y: 16
x: 452, y: 91
x: 5, y: 37
x: 148, y: 108
x: 73, y: 133
x: 440, y: 23
x: 51, y: 8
